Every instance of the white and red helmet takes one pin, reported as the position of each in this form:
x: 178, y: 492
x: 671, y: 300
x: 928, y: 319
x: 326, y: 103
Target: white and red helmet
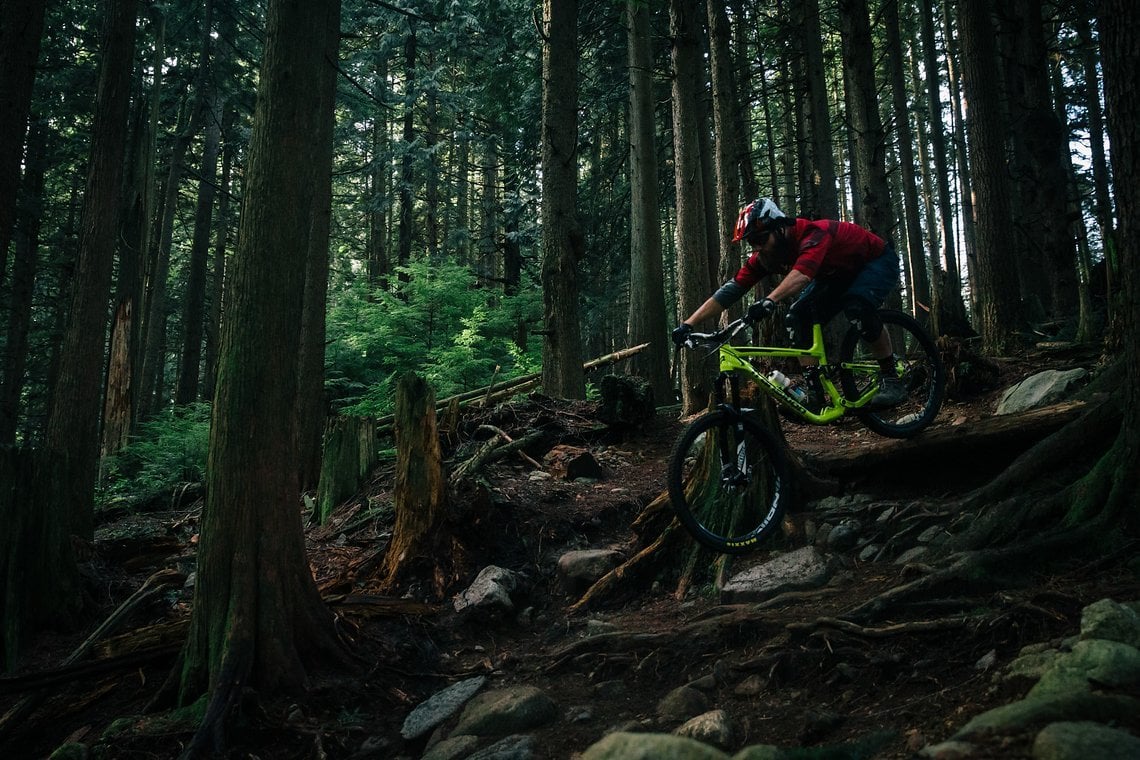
x: 757, y: 218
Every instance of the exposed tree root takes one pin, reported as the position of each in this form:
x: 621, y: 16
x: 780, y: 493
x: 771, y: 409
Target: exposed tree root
x: 914, y: 626
x: 1091, y: 433
x: 724, y: 630
x: 641, y: 565
x: 232, y: 676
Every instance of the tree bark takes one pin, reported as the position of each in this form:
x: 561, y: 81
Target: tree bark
x: 312, y: 407
x: 872, y: 193
x: 950, y: 315
x: 194, y: 303
x: 73, y: 424
x: 1000, y: 312
x: 418, y: 492
x: 917, y: 260
x: 258, y: 619
x: 562, y: 240
x: 647, y: 313
x: 1120, y: 49
x: 823, y: 202
x: 26, y: 245
x: 694, y: 281
x: 21, y: 29
x: 1042, y: 161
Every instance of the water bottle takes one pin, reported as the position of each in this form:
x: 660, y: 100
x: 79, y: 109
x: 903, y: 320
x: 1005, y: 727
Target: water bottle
x: 785, y: 382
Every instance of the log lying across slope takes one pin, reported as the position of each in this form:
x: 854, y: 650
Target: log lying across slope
x: 995, y: 439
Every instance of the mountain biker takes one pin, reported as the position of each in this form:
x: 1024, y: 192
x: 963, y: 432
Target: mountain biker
x: 831, y: 266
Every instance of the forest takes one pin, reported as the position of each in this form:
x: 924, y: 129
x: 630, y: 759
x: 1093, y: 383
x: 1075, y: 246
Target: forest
x: 226, y: 226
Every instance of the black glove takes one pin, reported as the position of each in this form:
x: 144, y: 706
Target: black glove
x: 681, y: 333
x: 762, y: 309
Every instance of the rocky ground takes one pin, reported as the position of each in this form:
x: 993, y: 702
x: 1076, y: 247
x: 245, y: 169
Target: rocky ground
x: 777, y: 664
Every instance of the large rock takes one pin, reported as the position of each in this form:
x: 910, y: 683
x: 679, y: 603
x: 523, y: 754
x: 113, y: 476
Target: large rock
x: 490, y: 592
x: 1048, y: 387
x: 713, y: 727
x: 1082, y: 740
x: 441, y: 706
x: 798, y: 570
x: 1108, y: 620
x: 1092, y: 661
x: 578, y: 570
x: 626, y: 746
x: 506, y: 711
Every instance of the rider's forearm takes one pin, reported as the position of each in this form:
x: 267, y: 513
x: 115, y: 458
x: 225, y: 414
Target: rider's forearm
x: 709, y: 308
x: 793, y: 283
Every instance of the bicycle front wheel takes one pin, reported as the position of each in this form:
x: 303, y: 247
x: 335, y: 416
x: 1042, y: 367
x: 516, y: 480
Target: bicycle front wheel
x: 728, y: 482
x: 919, y: 366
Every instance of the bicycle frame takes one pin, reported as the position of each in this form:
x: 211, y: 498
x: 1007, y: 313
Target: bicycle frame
x: 735, y: 360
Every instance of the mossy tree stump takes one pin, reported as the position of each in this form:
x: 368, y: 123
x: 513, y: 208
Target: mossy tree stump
x: 419, y: 491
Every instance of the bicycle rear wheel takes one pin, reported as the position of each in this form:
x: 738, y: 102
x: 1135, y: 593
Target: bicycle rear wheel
x: 920, y: 367
x: 728, y: 482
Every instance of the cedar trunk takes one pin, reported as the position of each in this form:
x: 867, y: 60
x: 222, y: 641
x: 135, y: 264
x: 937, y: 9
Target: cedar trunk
x: 562, y: 242
x: 258, y: 618
x: 647, y: 312
x: 694, y: 281
x: 999, y: 304
x: 73, y: 424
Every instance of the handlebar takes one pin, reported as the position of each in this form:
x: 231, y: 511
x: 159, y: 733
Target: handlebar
x: 715, y: 340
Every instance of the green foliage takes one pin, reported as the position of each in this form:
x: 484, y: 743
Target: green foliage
x: 438, y: 323
x: 166, y: 451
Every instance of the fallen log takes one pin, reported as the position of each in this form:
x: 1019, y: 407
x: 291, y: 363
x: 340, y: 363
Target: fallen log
x: 494, y: 392
x: 995, y: 440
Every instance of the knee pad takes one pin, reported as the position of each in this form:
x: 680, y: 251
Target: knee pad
x: 863, y: 316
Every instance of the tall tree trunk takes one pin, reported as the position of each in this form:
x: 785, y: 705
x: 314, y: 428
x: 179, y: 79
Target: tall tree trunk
x: 750, y: 187
x: 647, y: 314
x: 951, y: 316
x: 1042, y: 163
x: 407, y: 164
x: 21, y: 29
x: 312, y: 408
x: 215, y: 293
x: 258, y: 619
x: 378, y: 266
x: 873, y: 209
x: 194, y: 302
x: 488, y: 211
x: 562, y: 241
x: 1103, y: 200
x: 73, y: 426
x: 824, y: 200
x: 919, y: 275
x: 155, y: 305
x: 725, y: 166
x: 25, y: 244
x: 121, y: 408
x: 693, y: 276
x: 1120, y: 46
x: 1000, y: 313
x: 965, y: 184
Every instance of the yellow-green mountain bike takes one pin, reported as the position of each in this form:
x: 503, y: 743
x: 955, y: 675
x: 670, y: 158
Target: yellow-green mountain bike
x: 728, y: 477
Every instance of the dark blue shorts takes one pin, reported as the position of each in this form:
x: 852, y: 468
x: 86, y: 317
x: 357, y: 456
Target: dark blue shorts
x: 827, y: 297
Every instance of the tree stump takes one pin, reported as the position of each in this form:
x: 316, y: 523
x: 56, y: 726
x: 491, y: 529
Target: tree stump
x: 627, y: 401
x: 419, y: 488
x: 348, y: 454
